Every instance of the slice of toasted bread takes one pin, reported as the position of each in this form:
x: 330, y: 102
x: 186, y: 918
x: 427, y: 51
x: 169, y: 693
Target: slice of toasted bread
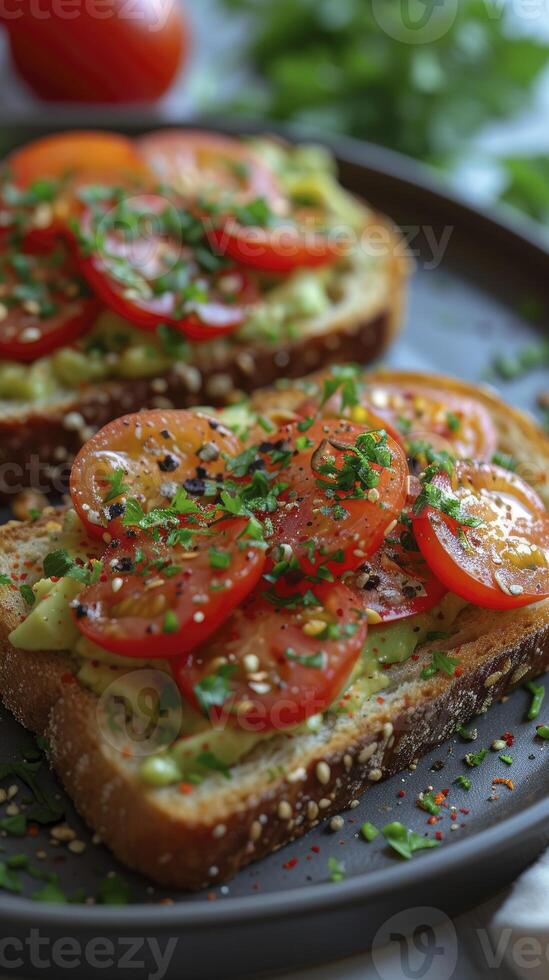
x: 39, y: 440
x: 287, y: 784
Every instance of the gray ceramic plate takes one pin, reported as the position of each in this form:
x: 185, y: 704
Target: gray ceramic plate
x: 285, y: 911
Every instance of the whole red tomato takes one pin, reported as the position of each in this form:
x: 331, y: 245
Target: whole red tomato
x: 96, y: 50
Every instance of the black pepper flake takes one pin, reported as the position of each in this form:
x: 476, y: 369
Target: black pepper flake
x: 213, y: 424
x: 165, y: 434
x: 123, y: 565
x: 81, y: 611
x: 168, y: 464
x: 116, y: 510
x: 195, y: 486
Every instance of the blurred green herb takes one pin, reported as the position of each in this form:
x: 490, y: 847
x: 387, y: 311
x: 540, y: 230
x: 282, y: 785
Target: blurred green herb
x: 332, y: 64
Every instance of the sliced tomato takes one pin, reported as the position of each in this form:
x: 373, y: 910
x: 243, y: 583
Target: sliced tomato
x: 338, y: 504
x: 44, y: 303
x: 503, y: 562
x: 396, y: 581
x: 272, y: 666
x: 150, y: 262
x: 201, y: 164
x: 280, y: 247
x: 159, y: 600
x: 40, y: 188
x: 147, y: 457
x: 346, y: 402
x: 91, y: 155
x: 447, y: 421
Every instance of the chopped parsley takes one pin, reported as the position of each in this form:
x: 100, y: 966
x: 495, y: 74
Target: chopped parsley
x: 464, y: 782
x: 538, y: 693
x: 336, y: 869
x: 316, y: 660
x: 117, y: 485
x: 440, y: 663
x: 405, y: 842
x: 369, y: 832
x: 214, y: 689
x: 476, y: 758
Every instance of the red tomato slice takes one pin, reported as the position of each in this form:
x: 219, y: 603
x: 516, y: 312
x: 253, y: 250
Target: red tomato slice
x: 335, y: 511
x: 396, y: 582
x: 159, y: 601
x: 147, y: 457
x: 89, y: 154
x: 273, y: 666
x: 197, y: 163
x: 454, y: 423
x: 280, y: 248
x: 504, y: 562
x: 44, y: 304
x: 150, y: 262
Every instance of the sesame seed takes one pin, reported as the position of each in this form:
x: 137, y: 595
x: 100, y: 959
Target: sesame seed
x: 199, y: 616
x: 336, y: 823
x: 117, y: 584
x: 323, y: 773
x: 219, y: 830
x: 284, y: 810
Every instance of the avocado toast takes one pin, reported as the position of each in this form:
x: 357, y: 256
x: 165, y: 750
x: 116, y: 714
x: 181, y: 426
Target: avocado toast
x: 191, y: 812
x: 292, y: 320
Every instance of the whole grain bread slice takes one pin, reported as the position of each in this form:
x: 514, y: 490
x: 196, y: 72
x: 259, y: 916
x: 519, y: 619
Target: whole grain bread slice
x: 39, y: 440
x: 287, y: 784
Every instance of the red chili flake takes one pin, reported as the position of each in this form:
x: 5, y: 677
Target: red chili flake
x: 387, y: 666
x: 439, y: 835
x: 315, y: 848
x: 185, y: 788
x: 509, y: 739
x: 464, y: 809
x: 68, y: 678
x: 415, y: 656
x: 32, y: 830
x: 25, y: 575
x: 445, y: 791
x: 458, y: 671
x: 401, y: 793
x: 440, y: 797
x: 290, y: 864
x: 500, y: 781
x: 380, y: 700
x: 433, y: 820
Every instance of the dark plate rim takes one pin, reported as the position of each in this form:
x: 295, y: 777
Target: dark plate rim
x: 371, y: 884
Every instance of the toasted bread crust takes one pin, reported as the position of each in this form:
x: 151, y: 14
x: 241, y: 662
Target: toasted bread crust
x: 191, y: 841
x: 38, y: 443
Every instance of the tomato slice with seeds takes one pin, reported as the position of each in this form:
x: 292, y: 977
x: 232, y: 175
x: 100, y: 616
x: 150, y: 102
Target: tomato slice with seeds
x: 90, y: 154
x: 198, y: 163
x: 502, y: 563
x: 396, y: 581
x: 44, y: 303
x: 150, y: 263
x: 159, y: 600
x: 338, y: 503
x: 147, y: 456
x: 447, y: 421
x: 277, y: 244
x: 272, y: 666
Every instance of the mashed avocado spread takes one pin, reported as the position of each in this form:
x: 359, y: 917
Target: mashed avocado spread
x: 50, y: 626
